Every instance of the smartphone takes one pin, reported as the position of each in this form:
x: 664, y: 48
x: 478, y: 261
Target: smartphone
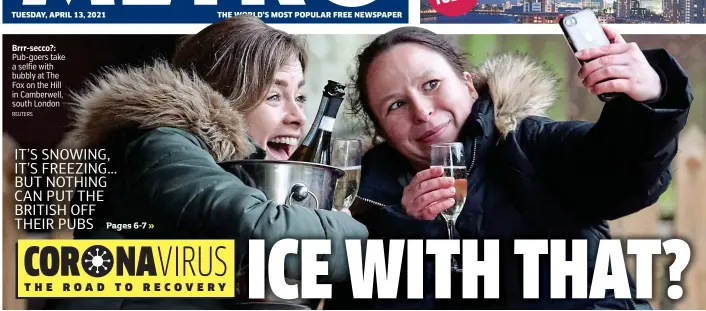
x: 582, y: 30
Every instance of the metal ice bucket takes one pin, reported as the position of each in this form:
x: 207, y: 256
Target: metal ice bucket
x: 289, y: 182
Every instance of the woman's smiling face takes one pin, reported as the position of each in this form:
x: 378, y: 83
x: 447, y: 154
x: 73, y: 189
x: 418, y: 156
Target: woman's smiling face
x: 277, y: 123
x: 418, y: 99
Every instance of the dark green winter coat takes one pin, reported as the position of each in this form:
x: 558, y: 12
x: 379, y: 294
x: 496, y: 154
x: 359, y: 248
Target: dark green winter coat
x: 166, y: 132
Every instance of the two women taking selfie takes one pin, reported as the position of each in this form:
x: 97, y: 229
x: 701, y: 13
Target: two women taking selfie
x: 234, y: 92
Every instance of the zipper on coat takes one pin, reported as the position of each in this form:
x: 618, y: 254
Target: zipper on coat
x: 632, y: 304
x: 473, y: 158
x: 370, y: 201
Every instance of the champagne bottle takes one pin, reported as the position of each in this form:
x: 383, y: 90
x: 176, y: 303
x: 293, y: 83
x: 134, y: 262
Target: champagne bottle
x: 315, y: 145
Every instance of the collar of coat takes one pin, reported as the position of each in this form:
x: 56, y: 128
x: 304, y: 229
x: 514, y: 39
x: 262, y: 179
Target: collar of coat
x: 157, y: 95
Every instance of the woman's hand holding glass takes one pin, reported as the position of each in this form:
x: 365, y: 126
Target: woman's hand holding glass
x: 428, y: 194
x: 450, y: 157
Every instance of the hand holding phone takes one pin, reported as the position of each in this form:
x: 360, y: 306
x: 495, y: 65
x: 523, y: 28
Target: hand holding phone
x: 610, y: 67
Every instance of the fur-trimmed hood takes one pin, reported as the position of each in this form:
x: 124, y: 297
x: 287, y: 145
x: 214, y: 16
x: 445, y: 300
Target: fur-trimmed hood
x: 519, y: 85
x: 157, y: 95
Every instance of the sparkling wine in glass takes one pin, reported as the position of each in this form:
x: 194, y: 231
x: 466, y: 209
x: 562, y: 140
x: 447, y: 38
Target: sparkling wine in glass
x: 346, y: 154
x: 449, y: 156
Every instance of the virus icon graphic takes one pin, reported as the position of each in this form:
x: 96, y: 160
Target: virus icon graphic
x: 97, y: 261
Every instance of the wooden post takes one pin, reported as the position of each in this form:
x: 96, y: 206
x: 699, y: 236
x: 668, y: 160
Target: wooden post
x: 639, y: 225
x: 690, y: 176
x: 643, y: 224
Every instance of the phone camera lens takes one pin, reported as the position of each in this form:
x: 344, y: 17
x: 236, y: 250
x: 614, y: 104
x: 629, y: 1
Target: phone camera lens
x: 571, y: 21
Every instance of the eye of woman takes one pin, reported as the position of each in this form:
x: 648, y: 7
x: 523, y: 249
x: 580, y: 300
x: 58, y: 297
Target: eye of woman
x: 301, y: 99
x: 430, y: 85
x: 273, y: 97
x: 395, y: 105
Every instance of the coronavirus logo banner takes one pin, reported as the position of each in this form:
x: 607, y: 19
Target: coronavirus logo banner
x: 125, y: 268
x: 204, y: 11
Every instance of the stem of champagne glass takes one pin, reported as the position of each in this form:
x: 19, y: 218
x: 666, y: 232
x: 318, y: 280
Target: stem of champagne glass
x: 450, y: 227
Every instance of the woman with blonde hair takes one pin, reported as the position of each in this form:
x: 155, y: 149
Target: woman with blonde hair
x: 233, y: 92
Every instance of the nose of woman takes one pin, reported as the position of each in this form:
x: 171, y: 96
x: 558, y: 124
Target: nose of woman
x: 422, y: 109
x: 295, y: 113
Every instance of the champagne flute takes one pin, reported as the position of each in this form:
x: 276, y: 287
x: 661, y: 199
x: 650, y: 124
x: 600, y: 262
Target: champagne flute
x: 449, y: 156
x: 346, y: 154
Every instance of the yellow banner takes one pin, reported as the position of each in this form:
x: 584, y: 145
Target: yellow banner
x: 125, y: 268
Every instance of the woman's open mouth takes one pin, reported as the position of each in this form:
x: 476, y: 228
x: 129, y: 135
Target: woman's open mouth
x: 281, y: 147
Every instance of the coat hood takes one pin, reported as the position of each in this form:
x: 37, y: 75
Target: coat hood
x: 519, y: 85
x: 158, y: 95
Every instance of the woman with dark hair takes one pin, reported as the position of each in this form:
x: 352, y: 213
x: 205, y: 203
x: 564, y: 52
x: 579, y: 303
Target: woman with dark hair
x: 234, y: 92
x: 528, y: 176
